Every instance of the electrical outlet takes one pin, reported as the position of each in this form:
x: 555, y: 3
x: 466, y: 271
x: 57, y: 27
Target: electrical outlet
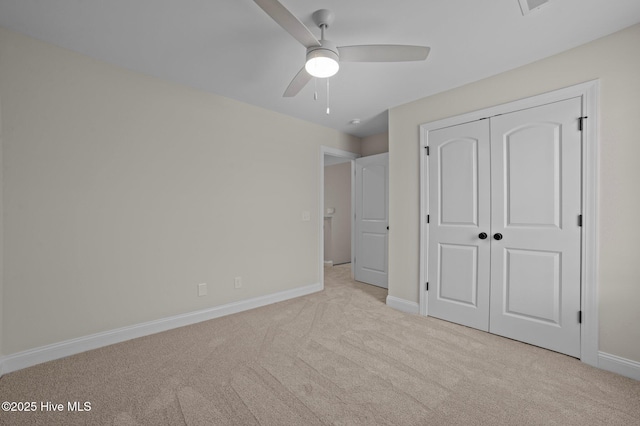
x: 306, y: 216
x: 237, y: 282
x: 202, y: 289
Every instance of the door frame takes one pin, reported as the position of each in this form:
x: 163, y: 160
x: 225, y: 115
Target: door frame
x: 333, y: 152
x: 588, y: 92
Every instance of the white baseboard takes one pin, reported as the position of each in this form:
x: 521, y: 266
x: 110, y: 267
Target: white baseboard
x: 66, y: 348
x: 20, y: 360
x: 403, y: 305
x: 616, y: 364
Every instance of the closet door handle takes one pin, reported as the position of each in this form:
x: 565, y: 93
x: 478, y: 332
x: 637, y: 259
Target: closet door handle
x: 497, y: 236
x: 483, y: 236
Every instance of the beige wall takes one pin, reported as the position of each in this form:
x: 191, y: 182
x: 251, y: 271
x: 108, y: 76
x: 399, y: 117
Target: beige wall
x: 1, y: 234
x: 615, y: 60
x: 337, y: 194
x: 375, y: 144
x: 123, y: 192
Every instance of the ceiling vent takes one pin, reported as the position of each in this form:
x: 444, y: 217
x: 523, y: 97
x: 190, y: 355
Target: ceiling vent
x: 528, y: 6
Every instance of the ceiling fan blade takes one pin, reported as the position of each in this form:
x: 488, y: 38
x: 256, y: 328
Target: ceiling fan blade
x: 383, y: 53
x: 299, y: 81
x: 289, y: 22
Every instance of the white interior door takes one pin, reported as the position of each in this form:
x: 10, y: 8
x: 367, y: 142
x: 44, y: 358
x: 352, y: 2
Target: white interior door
x: 535, y: 266
x: 459, y: 224
x: 372, y: 219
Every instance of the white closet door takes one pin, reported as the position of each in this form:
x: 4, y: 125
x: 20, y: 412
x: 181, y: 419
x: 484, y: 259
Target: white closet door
x: 535, y: 266
x: 372, y: 219
x: 459, y: 208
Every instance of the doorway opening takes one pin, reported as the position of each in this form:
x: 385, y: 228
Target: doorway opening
x: 336, y: 231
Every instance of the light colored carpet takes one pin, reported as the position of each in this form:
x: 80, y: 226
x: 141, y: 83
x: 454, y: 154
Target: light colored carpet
x: 337, y: 357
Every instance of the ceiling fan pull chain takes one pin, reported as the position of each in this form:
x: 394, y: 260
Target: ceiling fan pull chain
x: 328, y: 110
x: 315, y: 91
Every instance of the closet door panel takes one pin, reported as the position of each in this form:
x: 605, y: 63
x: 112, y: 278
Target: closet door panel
x: 532, y: 176
x: 535, y: 189
x: 458, y: 260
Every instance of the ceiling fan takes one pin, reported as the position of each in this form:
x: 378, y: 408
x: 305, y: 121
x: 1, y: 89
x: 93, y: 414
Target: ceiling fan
x: 324, y: 56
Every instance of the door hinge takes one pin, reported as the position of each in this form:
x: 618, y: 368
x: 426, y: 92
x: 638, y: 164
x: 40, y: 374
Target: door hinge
x: 426, y: 287
x: 427, y: 148
x: 581, y: 122
x: 428, y: 218
x: 579, y: 317
x: 580, y: 220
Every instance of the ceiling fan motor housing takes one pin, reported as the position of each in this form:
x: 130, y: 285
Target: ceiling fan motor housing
x: 327, y: 49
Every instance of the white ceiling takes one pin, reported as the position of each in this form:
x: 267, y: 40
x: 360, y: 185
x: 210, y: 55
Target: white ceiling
x: 234, y: 49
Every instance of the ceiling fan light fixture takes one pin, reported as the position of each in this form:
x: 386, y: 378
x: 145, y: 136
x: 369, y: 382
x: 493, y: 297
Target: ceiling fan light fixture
x: 322, y: 62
